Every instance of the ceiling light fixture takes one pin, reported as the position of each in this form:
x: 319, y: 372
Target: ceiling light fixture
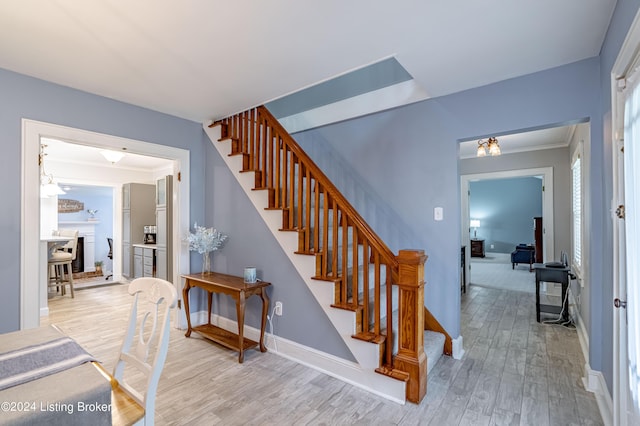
x: 490, y: 144
x: 47, y: 187
x: 112, y: 156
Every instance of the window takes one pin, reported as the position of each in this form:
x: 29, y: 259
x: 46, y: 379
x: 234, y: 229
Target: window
x: 576, y: 209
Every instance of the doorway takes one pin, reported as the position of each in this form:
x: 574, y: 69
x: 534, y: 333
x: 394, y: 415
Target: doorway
x: 545, y: 173
x: 32, y: 278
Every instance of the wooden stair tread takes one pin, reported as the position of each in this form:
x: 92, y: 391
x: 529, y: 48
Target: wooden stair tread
x: 393, y: 373
x: 368, y: 336
x: 346, y: 307
x: 327, y: 279
x: 307, y: 253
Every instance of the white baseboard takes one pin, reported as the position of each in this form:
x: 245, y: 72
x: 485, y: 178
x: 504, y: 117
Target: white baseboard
x: 457, y: 351
x: 594, y: 382
x: 341, y: 369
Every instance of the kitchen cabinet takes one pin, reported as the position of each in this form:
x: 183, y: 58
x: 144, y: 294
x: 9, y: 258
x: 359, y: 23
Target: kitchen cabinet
x: 137, y: 262
x: 144, y: 260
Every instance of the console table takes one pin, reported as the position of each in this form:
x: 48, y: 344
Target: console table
x: 554, y: 275
x: 235, y: 287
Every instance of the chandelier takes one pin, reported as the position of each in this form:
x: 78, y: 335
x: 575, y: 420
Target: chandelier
x: 491, y: 145
x: 47, y: 187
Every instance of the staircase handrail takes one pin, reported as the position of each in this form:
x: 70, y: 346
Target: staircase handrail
x: 387, y: 255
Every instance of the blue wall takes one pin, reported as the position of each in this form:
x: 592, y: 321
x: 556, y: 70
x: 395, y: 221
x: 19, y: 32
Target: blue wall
x: 505, y: 208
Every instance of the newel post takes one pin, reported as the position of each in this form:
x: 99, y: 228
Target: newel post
x: 411, y: 357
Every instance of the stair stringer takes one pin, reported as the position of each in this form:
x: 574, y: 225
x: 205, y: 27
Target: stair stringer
x: 367, y: 354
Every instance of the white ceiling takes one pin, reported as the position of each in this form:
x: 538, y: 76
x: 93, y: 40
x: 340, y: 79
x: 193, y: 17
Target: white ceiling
x: 550, y: 138
x: 205, y: 59
x: 77, y: 154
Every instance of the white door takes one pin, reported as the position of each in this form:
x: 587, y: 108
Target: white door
x: 624, y: 414
x: 625, y: 119
x: 626, y: 226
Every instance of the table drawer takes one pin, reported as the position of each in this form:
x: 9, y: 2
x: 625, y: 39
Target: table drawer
x: 148, y: 270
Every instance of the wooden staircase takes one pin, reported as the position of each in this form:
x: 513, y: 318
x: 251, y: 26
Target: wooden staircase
x: 374, y: 298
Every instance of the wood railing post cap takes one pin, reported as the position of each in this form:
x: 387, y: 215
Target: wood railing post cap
x: 411, y: 256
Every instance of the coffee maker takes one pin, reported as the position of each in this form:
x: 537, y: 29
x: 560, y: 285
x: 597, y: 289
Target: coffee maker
x: 149, y: 234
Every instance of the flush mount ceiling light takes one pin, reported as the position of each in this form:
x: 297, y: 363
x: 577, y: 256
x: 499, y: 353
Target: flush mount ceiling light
x: 490, y: 144
x: 112, y: 156
x: 48, y: 188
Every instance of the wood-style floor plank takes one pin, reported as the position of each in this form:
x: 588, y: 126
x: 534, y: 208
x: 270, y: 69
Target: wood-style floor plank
x: 514, y: 372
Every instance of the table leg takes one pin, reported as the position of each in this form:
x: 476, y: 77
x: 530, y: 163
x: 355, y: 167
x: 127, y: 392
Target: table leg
x: 240, y: 304
x: 210, y: 300
x: 537, y: 299
x: 185, y: 298
x: 565, y: 302
x: 265, y: 310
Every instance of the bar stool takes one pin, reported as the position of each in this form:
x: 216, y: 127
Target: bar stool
x: 61, y: 258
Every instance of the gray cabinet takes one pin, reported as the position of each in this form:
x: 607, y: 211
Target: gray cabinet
x: 144, y: 261
x: 138, y: 270
x: 138, y: 210
x: 164, y: 234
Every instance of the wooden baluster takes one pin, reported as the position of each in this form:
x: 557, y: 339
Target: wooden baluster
x: 299, y: 193
x: 334, y: 241
x: 307, y: 210
x: 245, y: 141
x: 255, y: 131
x: 376, y: 294
x: 292, y: 188
x: 365, y: 285
x: 250, y: 138
x: 279, y: 184
x: 325, y: 234
x: 264, y: 138
x: 355, y: 290
x: 316, y: 218
x: 389, y: 316
x: 273, y: 153
x: 411, y: 357
x: 345, y: 257
x: 281, y: 170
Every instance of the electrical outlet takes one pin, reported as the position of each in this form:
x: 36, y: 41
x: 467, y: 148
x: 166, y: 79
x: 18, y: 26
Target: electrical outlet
x: 278, y: 309
x: 492, y: 246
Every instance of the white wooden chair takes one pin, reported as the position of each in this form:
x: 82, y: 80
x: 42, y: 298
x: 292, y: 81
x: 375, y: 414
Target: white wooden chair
x: 143, y: 352
x: 62, y: 258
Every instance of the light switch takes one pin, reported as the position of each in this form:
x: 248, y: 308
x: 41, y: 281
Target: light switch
x: 438, y: 213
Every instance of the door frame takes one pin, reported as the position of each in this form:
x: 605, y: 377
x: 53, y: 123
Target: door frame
x: 628, y: 58
x: 548, y: 248
x: 32, y: 131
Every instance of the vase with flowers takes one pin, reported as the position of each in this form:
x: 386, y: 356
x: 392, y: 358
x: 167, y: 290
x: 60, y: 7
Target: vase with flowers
x: 204, y: 241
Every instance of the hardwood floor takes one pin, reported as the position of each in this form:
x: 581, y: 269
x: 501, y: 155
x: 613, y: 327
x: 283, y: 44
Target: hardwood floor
x: 514, y: 372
